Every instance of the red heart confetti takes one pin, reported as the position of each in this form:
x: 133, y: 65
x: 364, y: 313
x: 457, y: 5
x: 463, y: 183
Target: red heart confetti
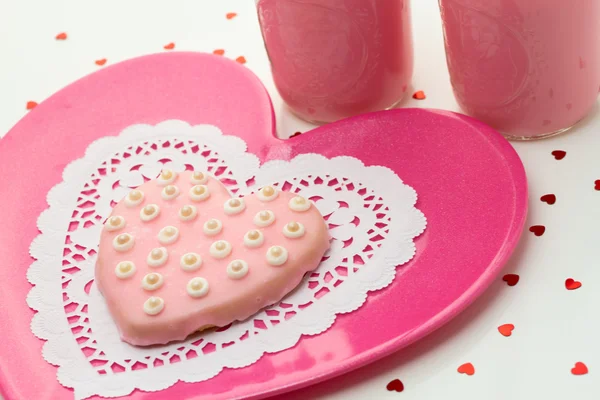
x: 419, y: 95
x: 551, y: 93
x: 296, y: 134
x: 546, y: 122
x: 548, y: 198
x: 506, y: 329
x: 582, y: 63
x: 219, y: 52
x: 511, y: 279
x: 569, y: 106
x: 231, y: 15
x: 579, y: 369
x: 466, y: 368
x: 597, y: 187
x: 395, y: 386
x: 31, y: 105
x: 241, y: 59
x: 537, y: 230
x: 572, y: 284
x: 101, y: 62
x: 61, y: 36
x: 559, y: 154
x: 169, y: 46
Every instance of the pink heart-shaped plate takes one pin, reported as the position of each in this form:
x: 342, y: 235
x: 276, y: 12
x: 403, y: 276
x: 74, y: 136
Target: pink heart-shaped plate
x: 471, y: 186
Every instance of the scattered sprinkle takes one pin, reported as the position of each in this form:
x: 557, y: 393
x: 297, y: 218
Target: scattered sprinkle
x: 419, y: 95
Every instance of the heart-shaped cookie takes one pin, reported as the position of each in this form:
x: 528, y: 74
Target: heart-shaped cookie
x: 180, y: 254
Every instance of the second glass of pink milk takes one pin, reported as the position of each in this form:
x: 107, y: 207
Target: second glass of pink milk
x: 332, y: 59
x: 529, y: 68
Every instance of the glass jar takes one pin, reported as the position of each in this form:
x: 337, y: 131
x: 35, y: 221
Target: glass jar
x: 332, y: 59
x: 528, y: 68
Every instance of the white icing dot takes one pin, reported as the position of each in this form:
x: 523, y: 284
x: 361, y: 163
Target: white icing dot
x: 197, y: 287
x: 299, y: 204
x: 152, y: 281
x: 157, y: 257
x: 277, y: 255
x: 220, y: 249
x: 168, y: 235
x: 254, y: 238
x: 188, y: 213
x: 154, y: 305
x: 199, y: 178
x: 199, y: 193
x: 166, y: 177
x: 234, y: 206
x: 169, y: 192
x: 190, y: 261
x: 123, y: 242
x: 114, y: 223
x: 264, y: 218
x: 293, y: 230
x: 134, y: 198
x: 125, y: 269
x: 149, y: 212
x: 237, y: 269
x: 212, y: 227
x: 268, y: 193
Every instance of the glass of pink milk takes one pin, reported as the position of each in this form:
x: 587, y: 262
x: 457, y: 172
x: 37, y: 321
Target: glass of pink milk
x: 332, y: 59
x: 529, y: 68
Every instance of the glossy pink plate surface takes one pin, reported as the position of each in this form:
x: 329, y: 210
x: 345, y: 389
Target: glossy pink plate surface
x: 471, y: 187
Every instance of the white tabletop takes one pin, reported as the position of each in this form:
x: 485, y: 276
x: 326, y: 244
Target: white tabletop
x: 554, y: 327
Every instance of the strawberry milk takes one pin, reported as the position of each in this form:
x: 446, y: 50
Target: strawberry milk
x: 332, y: 59
x: 529, y: 68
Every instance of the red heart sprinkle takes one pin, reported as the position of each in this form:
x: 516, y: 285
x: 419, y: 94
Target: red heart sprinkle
x: 597, y: 187
x: 559, y: 154
x: 101, y: 62
x: 61, y: 36
x: 537, y: 230
x: 548, y: 198
x: 395, y: 386
x: 31, y: 105
x: 241, y: 59
x: 572, y: 284
x: 231, y: 15
x: 419, y: 95
x: 296, y: 134
x: 546, y: 122
x: 467, y: 368
x: 569, y: 106
x: 219, y: 52
x: 511, y: 279
x: 579, y: 369
x: 169, y: 46
x: 506, y: 329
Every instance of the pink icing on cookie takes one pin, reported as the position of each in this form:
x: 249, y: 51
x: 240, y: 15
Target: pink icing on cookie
x: 179, y: 254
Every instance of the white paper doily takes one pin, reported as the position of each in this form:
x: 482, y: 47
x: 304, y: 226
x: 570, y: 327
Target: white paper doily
x: 371, y: 216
